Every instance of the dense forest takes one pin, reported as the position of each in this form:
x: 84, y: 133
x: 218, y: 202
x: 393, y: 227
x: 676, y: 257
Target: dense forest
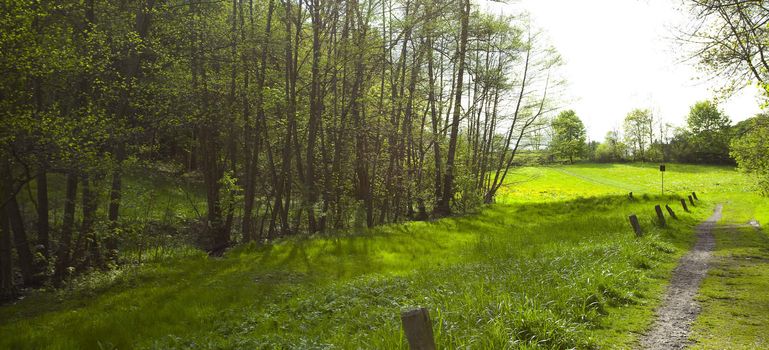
x: 298, y: 117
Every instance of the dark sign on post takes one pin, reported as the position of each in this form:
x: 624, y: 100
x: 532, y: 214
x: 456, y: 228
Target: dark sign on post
x: 662, y: 167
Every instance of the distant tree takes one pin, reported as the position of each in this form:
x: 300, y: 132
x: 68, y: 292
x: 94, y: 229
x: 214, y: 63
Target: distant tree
x: 708, y: 133
x: 592, y: 147
x: 705, y: 117
x: 638, y: 132
x: 750, y: 150
x: 612, y: 149
x: 568, y: 136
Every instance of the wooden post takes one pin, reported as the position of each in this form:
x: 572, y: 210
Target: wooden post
x: 683, y: 204
x: 671, y: 212
x: 660, y: 216
x: 691, y: 200
x: 418, y: 329
x: 695, y: 196
x: 636, y: 226
x: 630, y: 195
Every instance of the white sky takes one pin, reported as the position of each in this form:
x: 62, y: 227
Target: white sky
x: 620, y: 55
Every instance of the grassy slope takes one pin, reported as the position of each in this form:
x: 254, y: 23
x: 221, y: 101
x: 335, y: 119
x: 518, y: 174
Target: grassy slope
x: 552, y: 265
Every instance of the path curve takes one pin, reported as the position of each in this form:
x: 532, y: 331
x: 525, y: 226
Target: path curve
x: 679, y: 309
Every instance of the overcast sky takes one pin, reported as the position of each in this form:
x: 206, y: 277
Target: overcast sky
x: 619, y: 55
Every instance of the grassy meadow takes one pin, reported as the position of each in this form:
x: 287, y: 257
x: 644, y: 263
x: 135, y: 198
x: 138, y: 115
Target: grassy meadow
x: 553, y: 264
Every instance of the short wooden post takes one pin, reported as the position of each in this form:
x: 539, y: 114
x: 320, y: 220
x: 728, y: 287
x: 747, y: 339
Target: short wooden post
x: 671, y: 212
x: 683, y: 204
x: 691, y: 200
x: 660, y: 215
x: 419, y: 330
x: 636, y: 226
x: 695, y: 196
x: 630, y: 196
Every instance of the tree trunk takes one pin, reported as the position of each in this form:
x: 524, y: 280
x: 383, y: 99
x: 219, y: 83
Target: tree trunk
x: 113, y: 211
x: 444, y: 206
x: 26, y: 261
x: 316, y: 109
x: 89, y: 254
x: 7, y: 287
x: 43, y: 237
x: 63, y: 251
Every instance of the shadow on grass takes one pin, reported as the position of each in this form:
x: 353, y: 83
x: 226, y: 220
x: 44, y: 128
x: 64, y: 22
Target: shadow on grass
x: 173, y: 296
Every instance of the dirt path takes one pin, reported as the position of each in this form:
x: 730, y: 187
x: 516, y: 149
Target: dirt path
x: 678, y: 309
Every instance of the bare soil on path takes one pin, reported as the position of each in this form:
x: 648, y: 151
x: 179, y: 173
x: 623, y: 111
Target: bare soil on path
x: 679, y: 309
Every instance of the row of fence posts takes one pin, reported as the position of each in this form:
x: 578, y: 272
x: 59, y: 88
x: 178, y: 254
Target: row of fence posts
x: 416, y: 322
x: 660, y: 216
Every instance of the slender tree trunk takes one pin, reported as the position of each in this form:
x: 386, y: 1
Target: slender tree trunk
x: 290, y: 132
x: 89, y: 253
x: 26, y: 261
x: 316, y: 108
x: 435, y: 120
x: 113, y: 211
x: 12, y: 215
x: 7, y: 286
x: 42, y: 212
x: 63, y: 251
x: 252, y: 135
x: 444, y: 206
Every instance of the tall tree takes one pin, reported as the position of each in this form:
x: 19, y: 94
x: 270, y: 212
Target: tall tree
x: 638, y: 131
x: 568, y: 135
x: 444, y: 205
x: 750, y: 148
x: 730, y: 39
x: 709, y: 133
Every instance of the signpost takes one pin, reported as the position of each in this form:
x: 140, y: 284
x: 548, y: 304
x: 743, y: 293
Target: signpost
x: 662, y: 172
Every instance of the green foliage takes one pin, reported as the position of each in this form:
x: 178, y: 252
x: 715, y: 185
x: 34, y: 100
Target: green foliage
x: 568, y: 136
x: 751, y: 150
x: 612, y: 149
x: 705, y: 117
x: 707, y: 136
x: 638, y: 132
x: 730, y: 42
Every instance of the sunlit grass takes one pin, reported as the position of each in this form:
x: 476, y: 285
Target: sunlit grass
x: 735, y: 305
x: 554, y: 264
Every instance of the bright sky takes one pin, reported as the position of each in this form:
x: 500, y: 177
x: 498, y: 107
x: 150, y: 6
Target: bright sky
x: 620, y: 55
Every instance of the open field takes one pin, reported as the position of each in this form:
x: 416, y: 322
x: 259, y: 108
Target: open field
x: 554, y: 264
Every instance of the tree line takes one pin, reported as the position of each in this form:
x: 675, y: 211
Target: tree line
x: 705, y: 139
x: 300, y: 116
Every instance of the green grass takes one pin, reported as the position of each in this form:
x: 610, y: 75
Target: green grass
x: 735, y: 305
x: 553, y: 265
x: 147, y: 194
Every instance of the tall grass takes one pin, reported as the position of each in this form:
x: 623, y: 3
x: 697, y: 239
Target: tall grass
x: 553, y: 265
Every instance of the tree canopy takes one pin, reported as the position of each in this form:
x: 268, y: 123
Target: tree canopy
x: 750, y: 149
x: 569, y: 135
x: 299, y: 116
